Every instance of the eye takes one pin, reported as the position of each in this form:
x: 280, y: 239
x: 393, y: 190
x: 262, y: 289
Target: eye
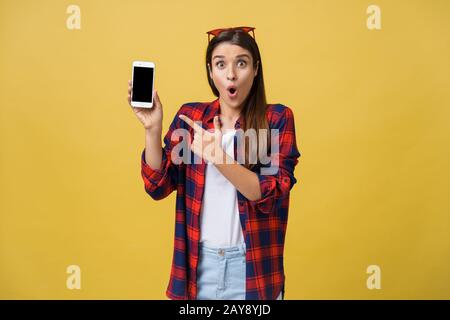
x: 244, y: 62
x: 219, y: 63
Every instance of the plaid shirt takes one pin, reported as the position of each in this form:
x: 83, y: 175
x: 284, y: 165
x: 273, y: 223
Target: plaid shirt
x: 263, y: 221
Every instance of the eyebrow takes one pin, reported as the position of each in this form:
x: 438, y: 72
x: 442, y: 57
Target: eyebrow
x: 241, y: 55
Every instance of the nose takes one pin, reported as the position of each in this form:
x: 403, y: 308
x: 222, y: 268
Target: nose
x: 231, y: 75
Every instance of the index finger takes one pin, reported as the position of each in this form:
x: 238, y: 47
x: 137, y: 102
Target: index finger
x: 191, y: 123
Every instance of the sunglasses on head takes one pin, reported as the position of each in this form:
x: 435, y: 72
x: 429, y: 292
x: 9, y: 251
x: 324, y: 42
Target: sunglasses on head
x: 216, y: 32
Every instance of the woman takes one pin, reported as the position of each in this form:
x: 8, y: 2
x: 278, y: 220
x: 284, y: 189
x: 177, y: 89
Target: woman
x: 231, y: 215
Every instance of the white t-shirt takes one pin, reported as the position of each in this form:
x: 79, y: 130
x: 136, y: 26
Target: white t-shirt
x: 220, y: 225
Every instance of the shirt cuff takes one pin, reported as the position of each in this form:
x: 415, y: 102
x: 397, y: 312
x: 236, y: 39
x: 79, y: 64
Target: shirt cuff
x: 267, y: 185
x: 154, y: 176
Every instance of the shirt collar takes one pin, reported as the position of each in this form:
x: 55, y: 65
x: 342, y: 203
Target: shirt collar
x: 214, y: 110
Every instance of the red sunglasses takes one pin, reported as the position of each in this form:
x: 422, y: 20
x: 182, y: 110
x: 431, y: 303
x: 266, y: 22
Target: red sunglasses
x: 216, y: 32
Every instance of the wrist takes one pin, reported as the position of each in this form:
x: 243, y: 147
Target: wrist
x: 153, y: 130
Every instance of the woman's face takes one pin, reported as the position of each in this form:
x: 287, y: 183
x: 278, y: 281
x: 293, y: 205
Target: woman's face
x: 232, y: 73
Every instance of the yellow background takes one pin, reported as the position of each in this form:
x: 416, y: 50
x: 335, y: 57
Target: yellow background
x: 372, y: 120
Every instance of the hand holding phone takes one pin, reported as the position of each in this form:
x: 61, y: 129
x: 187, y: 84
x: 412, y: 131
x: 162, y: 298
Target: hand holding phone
x: 150, y: 117
x: 142, y: 81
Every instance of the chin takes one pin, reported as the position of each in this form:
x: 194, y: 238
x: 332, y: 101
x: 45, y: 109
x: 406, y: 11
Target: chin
x: 232, y: 102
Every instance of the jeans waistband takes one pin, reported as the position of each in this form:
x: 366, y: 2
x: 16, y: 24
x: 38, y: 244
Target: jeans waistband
x: 224, y: 251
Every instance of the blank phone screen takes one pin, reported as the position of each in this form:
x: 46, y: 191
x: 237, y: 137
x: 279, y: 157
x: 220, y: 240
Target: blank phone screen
x: 142, y: 84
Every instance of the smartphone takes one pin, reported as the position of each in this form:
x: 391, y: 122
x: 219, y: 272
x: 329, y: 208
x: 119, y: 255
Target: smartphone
x: 142, y: 84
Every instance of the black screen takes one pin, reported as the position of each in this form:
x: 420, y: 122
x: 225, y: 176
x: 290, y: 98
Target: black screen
x: 142, y: 84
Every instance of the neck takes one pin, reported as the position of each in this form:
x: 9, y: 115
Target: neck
x: 228, y: 113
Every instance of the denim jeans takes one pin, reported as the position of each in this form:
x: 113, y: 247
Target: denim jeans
x: 221, y: 273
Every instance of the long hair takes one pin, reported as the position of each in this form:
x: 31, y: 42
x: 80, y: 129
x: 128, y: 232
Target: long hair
x: 255, y: 105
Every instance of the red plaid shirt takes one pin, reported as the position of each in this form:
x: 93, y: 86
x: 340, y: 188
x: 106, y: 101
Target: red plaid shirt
x: 263, y: 221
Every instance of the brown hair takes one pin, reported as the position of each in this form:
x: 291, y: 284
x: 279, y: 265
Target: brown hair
x: 255, y: 104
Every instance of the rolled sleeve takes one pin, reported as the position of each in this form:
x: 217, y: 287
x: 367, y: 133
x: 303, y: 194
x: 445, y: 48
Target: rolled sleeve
x: 277, y: 186
x: 152, y: 175
x: 267, y: 202
x: 159, y: 183
x: 273, y: 188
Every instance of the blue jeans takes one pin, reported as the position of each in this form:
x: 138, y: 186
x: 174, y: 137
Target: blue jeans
x: 221, y: 273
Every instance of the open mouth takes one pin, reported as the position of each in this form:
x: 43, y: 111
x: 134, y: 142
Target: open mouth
x: 232, y: 91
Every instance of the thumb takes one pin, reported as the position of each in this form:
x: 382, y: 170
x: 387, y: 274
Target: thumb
x: 217, y: 125
x: 156, y: 98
